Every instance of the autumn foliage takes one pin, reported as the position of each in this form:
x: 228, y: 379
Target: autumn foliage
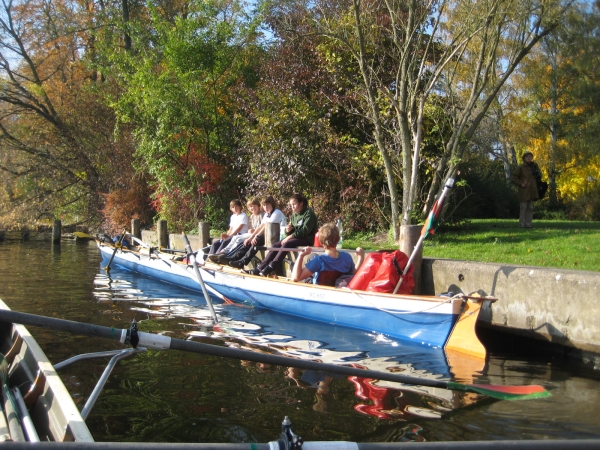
x: 122, y: 205
x: 187, y: 204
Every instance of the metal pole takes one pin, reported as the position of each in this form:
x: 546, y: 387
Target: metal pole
x: 194, y: 263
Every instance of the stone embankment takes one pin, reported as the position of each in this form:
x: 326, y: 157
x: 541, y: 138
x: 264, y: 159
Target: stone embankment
x: 554, y: 305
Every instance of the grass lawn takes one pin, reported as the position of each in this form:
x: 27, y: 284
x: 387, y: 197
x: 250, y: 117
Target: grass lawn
x: 550, y: 243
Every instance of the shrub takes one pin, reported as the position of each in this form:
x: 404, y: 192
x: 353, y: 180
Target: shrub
x: 122, y: 205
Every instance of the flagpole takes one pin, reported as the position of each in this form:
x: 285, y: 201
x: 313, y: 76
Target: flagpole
x: 429, y: 221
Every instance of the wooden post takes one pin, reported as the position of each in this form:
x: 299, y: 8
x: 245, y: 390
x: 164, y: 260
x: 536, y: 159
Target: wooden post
x: 409, y: 235
x: 56, y: 231
x: 135, y: 228
x: 162, y: 234
x: 271, y: 234
x: 203, y: 234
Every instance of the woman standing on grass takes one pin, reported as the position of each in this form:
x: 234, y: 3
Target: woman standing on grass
x: 525, y: 178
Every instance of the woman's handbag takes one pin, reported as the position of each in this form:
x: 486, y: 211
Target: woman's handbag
x: 542, y: 188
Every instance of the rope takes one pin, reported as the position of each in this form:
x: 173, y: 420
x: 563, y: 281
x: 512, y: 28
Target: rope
x: 399, y: 313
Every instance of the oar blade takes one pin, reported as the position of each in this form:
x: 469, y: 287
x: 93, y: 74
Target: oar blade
x: 81, y: 235
x: 502, y: 392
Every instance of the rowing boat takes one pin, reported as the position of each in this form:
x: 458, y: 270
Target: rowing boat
x: 36, y: 404
x: 437, y: 322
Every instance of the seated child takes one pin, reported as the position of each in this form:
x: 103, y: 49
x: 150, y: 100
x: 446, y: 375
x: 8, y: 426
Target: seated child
x: 238, y: 224
x: 237, y: 240
x: 242, y: 256
x: 329, y: 266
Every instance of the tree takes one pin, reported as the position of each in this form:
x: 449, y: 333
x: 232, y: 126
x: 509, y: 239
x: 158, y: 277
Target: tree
x: 55, y: 133
x: 177, y: 94
x: 295, y: 136
x: 558, y: 114
x: 399, y: 56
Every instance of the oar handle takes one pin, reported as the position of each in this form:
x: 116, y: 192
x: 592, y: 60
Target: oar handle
x: 171, y: 250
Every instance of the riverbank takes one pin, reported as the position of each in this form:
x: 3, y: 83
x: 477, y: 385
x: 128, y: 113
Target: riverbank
x: 550, y: 243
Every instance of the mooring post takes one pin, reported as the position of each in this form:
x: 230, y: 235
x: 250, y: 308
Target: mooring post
x: 203, y: 234
x: 162, y: 234
x: 272, y: 235
x: 56, y: 231
x: 135, y: 228
x: 409, y: 236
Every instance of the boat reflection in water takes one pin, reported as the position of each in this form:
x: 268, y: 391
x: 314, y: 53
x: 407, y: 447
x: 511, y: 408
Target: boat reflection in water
x: 266, y: 331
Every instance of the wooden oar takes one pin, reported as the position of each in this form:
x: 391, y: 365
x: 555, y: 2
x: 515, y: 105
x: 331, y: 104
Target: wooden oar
x: 194, y: 262
x: 165, y: 342
x: 117, y: 246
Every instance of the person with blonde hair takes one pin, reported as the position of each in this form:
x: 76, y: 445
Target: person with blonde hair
x: 329, y: 266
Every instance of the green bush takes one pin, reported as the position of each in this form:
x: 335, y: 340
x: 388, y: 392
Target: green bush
x: 482, y: 192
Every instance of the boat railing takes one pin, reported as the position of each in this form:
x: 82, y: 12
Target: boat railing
x: 115, y: 356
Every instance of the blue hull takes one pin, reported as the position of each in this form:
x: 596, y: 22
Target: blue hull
x: 428, y: 329
x: 408, y: 319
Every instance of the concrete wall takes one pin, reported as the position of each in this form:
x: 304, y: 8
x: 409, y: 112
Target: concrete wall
x: 558, y: 306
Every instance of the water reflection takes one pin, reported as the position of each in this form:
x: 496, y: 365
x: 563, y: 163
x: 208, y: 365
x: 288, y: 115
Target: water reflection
x: 266, y: 331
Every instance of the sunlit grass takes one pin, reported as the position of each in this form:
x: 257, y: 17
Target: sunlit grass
x: 561, y: 244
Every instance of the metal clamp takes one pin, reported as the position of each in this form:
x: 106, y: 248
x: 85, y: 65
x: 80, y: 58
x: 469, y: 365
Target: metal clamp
x: 288, y: 440
x: 132, y: 336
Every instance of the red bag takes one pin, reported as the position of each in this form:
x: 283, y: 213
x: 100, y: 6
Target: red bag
x: 365, y: 272
x: 387, y: 276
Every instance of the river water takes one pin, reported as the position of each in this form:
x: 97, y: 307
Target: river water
x: 172, y: 396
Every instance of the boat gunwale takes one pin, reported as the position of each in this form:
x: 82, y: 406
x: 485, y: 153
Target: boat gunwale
x: 208, y: 266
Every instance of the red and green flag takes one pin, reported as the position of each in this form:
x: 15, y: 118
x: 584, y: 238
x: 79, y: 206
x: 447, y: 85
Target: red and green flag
x: 433, y: 220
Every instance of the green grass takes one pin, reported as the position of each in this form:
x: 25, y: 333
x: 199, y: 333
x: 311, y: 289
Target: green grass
x: 550, y: 243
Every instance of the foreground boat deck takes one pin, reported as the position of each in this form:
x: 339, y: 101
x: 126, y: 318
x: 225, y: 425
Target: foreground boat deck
x: 53, y: 413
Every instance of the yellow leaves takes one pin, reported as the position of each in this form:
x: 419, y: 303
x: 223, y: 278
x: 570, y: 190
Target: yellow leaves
x: 579, y: 179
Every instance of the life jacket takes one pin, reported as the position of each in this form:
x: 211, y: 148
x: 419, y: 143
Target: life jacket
x: 328, y: 277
